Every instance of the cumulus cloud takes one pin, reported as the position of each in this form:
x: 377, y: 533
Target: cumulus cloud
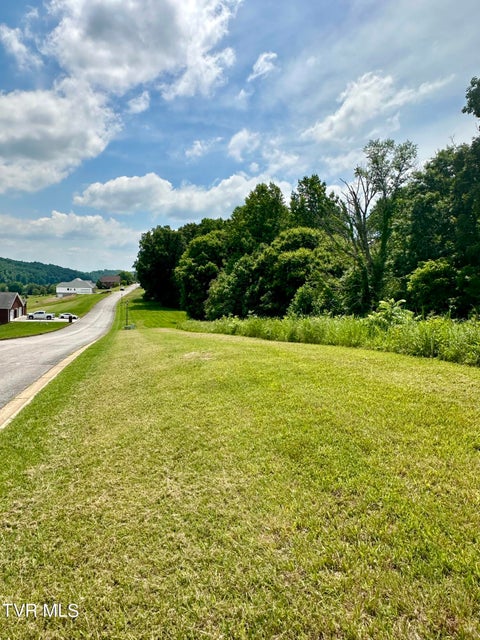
x: 46, y: 134
x: 106, y: 47
x: 139, y: 104
x: 66, y: 225
x: 117, y: 45
x: 201, y: 76
x: 243, y: 142
x: 265, y: 151
x: 158, y: 196
x: 200, y: 148
x: 364, y: 100
x: 87, y: 242
x: 280, y: 161
x: 264, y: 65
x: 13, y: 42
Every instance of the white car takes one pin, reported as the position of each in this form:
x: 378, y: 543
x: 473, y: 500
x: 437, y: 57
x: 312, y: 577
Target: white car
x: 41, y: 315
x: 67, y: 316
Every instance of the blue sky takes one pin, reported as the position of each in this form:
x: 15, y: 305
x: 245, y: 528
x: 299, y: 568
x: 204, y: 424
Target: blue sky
x: 120, y: 115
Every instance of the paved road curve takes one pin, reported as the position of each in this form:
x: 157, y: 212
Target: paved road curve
x: 25, y: 360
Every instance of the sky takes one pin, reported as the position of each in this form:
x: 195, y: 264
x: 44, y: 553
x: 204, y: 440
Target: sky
x: 120, y: 115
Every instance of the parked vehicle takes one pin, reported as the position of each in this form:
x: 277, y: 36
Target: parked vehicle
x: 41, y: 315
x: 68, y: 316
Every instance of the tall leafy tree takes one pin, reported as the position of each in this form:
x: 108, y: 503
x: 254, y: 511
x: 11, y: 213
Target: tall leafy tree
x: 473, y: 98
x: 198, y: 266
x: 191, y: 230
x: 228, y: 293
x: 159, y: 253
x: 365, y: 219
x: 310, y: 206
x: 258, y: 221
x: 429, y: 202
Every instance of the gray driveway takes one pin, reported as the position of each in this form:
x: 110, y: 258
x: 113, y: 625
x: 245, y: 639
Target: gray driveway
x: 25, y: 360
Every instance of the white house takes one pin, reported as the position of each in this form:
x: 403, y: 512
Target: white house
x: 79, y: 286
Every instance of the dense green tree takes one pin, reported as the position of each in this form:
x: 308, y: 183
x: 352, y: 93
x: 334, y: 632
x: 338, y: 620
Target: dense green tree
x: 473, y: 98
x: 425, y: 230
x: 192, y: 230
x: 466, y: 204
x: 468, y: 286
x: 432, y: 287
x: 310, y: 206
x: 441, y: 208
x: 394, y: 233
x: 198, y: 266
x: 227, y: 295
x: 258, y: 221
x: 433, y: 227
x: 126, y: 277
x: 159, y: 254
x: 295, y: 257
x: 366, y: 218
x: 18, y: 287
x: 36, y: 272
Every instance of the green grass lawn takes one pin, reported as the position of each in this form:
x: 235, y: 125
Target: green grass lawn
x: 77, y: 304
x: 24, y: 329
x: 182, y: 485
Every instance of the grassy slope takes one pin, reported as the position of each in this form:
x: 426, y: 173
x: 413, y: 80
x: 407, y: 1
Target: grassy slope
x: 24, y: 329
x: 185, y: 486
x: 78, y: 304
x: 74, y: 304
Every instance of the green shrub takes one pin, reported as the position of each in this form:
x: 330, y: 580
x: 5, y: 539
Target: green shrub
x: 391, y: 328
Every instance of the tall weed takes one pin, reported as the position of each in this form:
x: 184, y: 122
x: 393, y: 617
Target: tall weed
x: 435, y: 337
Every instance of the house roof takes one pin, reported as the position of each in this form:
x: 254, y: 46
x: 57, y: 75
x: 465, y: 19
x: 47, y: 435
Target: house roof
x: 7, y: 298
x: 76, y: 284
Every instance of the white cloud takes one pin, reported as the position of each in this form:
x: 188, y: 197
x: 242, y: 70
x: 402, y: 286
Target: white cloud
x: 342, y: 163
x: 200, y: 76
x: 81, y: 242
x: 243, y: 142
x: 366, y: 99
x: 46, y: 134
x: 117, y: 45
x: 62, y: 226
x: 264, y: 65
x: 282, y: 162
x: 154, y: 194
x: 139, y: 104
x: 269, y: 152
x: 242, y: 98
x: 12, y: 40
x: 200, y: 148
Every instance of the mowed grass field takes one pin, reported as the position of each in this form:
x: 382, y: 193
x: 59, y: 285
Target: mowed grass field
x: 77, y: 304
x: 182, y: 485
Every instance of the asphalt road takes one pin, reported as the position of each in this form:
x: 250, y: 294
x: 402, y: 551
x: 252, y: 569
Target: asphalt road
x: 25, y: 360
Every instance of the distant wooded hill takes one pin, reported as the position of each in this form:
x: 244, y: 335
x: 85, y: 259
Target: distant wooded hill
x: 16, y: 271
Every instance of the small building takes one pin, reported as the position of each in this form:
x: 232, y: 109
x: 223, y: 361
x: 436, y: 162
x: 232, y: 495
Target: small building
x: 78, y: 286
x: 110, y: 281
x: 11, y: 306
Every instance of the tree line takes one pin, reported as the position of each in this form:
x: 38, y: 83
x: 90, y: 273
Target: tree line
x: 38, y: 278
x: 395, y: 233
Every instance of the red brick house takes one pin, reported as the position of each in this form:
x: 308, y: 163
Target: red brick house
x: 11, y: 306
x: 110, y: 281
